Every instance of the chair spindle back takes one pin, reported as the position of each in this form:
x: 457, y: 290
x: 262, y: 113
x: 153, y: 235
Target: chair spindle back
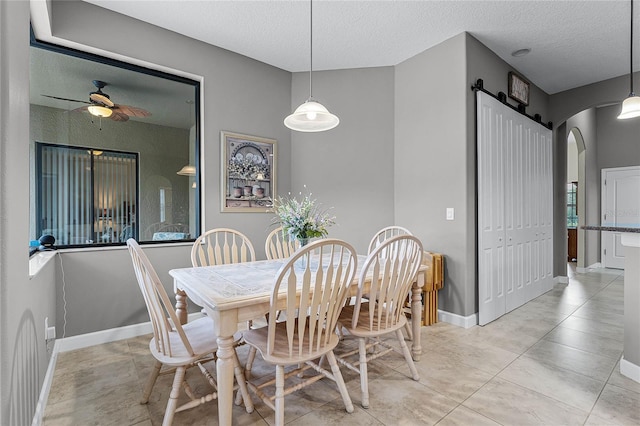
x: 316, y: 280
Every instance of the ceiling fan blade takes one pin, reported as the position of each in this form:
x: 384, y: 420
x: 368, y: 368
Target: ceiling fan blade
x: 118, y: 116
x: 65, y: 99
x: 80, y: 109
x: 101, y: 99
x: 131, y: 111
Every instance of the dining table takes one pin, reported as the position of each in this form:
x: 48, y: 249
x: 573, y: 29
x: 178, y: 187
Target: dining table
x: 233, y: 294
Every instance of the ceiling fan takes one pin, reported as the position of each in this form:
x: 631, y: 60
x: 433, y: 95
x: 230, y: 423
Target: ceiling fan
x: 101, y: 105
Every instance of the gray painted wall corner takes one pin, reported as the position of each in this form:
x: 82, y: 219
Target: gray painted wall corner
x: 431, y: 156
x: 23, y: 302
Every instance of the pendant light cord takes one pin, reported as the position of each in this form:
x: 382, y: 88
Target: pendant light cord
x: 311, y: 48
x: 631, y: 53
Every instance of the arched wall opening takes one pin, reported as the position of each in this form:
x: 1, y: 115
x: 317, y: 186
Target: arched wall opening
x: 576, y: 135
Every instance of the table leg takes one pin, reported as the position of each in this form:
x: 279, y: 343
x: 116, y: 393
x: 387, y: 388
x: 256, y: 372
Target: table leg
x: 181, y: 306
x: 416, y: 320
x: 224, y: 371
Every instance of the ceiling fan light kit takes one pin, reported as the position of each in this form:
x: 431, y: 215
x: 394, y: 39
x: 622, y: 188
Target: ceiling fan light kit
x: 99, y: 111
x: 311, y: 116
x: 631, y: 105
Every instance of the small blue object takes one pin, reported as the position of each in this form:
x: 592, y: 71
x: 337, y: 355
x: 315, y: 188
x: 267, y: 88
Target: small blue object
x: 34, y: 243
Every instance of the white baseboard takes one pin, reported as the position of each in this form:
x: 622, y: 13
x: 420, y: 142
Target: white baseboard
x: 46, y: 386
x: 83, y: 341
x: 107, y: 336
x: 630, y: 370
x: 459, y: 320
x: 561, y: 280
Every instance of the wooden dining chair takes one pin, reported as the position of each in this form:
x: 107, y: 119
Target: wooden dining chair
x: 395, y: 262
x: 221, y: 246
x: 378, y: 238
x: 278, y: 245
x: 310, y: 289
x: 177, y: 347
x: 385, y: 234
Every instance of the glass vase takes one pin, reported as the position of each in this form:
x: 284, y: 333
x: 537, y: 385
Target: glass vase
x: 302, y: 262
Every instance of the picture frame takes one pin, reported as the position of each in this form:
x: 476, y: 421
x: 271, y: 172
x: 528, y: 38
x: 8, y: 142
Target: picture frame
x: 518, y: 88
x: 248, y: 173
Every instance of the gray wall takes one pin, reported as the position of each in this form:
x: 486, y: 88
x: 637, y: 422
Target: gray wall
x: 23, y: 302
x: 431, y: 163
x: 618, y: 141
x: 100, y: 287
x: 349, y: 168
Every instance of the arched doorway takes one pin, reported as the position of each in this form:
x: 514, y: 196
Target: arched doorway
x: 576, y: 159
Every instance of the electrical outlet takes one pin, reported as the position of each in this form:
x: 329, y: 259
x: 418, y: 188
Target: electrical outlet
x: 49, y: 332
x: 450, y: 213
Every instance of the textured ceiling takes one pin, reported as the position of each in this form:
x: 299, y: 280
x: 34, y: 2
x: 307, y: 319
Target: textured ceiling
x: 572, y: 43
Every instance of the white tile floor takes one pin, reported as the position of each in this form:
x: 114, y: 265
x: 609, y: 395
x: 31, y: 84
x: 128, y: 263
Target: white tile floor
x: 553, y: 361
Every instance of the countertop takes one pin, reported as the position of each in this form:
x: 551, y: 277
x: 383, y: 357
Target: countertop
x: 630, y: 229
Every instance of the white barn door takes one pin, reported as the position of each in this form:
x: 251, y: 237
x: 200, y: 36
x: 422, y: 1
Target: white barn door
x: 620, y: 194
x: 515, y: 216
x: 491, y: 224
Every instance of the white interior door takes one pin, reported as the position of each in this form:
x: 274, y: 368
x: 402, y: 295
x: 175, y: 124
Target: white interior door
x: 515, y: 215
x: 491, y: 225
x: 620, y: 194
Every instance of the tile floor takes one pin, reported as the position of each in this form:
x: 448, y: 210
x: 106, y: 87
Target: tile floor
x: 553, y: 361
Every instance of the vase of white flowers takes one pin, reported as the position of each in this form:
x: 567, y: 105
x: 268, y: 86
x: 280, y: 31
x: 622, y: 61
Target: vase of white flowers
x: 302, y: 219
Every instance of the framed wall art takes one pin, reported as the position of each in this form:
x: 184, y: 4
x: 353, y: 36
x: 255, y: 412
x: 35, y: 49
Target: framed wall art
x: 248, y: 172
x: 518, y: 88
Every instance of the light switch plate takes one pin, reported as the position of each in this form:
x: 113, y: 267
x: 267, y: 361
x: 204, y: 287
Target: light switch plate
x: 450, y: 213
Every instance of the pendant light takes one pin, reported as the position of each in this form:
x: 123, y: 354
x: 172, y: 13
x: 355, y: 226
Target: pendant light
x: 187, y: 170
x: 311, y: 116
x: 631, y: 105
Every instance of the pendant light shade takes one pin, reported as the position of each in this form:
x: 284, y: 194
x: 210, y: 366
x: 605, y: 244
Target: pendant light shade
x: 187, y: 170
x: 311, y: 116
x: 631, y: 105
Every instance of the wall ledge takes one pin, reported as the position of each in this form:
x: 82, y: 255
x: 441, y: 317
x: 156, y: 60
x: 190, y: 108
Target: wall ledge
x: 39, y: 260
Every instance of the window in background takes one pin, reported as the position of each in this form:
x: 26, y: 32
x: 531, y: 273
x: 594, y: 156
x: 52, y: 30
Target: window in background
x: 572, y: 205
x: 86, y: 196
x: 148, y: 113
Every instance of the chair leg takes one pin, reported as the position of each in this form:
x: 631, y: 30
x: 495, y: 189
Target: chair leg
x: 173, y: 397
x: 407, y: 328
x: 279, y: 400
x: 249, y: 365
x: 342, y: 387
x: 247, y: 371
x: 407, y: 355
x: 364, y: 381
x: 242, y: 384
x: 151, y: 381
